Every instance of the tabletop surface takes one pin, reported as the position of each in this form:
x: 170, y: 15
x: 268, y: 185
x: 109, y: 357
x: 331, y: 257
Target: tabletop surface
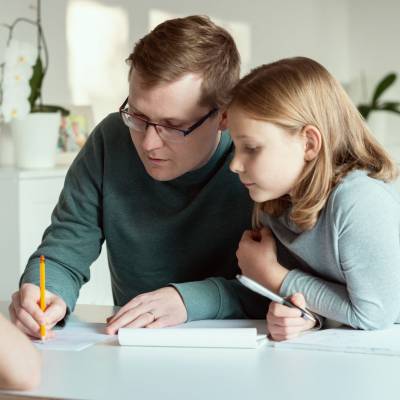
x: 108, y: 371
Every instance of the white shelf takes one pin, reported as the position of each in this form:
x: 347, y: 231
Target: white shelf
x: 13, y: 172
x: 27, y: 200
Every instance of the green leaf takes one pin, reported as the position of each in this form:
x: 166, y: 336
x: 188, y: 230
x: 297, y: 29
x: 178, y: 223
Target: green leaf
x: 390, y: 106
x: 36, y: 82
x: 364, y: 110
x: 384, y: 84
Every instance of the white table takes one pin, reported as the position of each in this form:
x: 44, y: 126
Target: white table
x: 108, y: 371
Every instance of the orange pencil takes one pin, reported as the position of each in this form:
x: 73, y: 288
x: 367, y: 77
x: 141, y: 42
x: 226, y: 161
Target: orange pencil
x: 42, y: 267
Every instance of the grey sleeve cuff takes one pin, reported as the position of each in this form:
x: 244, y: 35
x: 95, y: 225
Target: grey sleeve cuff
x: 213, y: 298
x: 202, y: 299
x: 287, y: 289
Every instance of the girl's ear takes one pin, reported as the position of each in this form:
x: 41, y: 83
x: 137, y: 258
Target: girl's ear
x: 313, y: 142
x: 223, y: 123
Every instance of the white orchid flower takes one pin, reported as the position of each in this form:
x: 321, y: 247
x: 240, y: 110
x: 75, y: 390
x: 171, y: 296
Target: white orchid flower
x: 20, y: 54
x: 17, y: 91
x: 17, y: 76
x: 15, y: 107
x: 19, y: 59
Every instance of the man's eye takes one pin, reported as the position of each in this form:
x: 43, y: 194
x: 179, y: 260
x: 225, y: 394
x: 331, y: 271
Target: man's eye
x: 175, y: 126
x: 250, y: 149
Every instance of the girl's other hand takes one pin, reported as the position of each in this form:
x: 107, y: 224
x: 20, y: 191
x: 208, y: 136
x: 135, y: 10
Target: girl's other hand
x: 257, y: 258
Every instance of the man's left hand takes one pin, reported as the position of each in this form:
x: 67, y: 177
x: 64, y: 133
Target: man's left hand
x: 157, y: 309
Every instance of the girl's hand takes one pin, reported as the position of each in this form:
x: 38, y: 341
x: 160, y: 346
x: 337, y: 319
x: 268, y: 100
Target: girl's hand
x: 257, y: 257
x: 284, y: 322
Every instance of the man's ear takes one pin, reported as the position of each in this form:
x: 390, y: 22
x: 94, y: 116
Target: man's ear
x: 313, y: 142
x: 223, y: 123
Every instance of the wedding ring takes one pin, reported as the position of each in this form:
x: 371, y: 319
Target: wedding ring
x: 154, y: 317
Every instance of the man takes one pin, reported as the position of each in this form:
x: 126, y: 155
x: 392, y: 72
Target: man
x: 167, y: 206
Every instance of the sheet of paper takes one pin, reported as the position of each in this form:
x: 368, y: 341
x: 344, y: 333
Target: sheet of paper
x: 75, y: 336
x: 208, y: 333
x: 383, y: 342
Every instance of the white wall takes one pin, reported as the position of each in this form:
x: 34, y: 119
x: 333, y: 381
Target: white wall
x: 314, y: 28
x: 374, y: 32
x: 347, y: 36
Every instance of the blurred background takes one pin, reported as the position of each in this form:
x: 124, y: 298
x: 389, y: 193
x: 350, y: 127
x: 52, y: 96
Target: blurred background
x: 89, y: 40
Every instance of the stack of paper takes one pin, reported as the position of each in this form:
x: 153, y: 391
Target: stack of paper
x: 75, y: 336
x: 382, y: 342
x: 209, y: 333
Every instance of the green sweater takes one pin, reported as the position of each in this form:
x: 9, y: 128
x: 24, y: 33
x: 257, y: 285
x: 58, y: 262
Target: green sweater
x: 182, y: 232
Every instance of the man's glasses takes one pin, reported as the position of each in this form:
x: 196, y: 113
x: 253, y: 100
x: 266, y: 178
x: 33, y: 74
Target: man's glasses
x: 167, y: 133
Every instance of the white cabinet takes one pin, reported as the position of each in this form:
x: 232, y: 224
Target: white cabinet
x: 27, y: 199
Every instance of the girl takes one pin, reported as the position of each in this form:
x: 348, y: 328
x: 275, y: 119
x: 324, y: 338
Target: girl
x: 326, y: 217
x: 19, y: 361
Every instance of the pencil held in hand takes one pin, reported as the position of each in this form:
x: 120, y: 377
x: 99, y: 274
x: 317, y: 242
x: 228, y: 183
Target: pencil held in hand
x: 42, y: 267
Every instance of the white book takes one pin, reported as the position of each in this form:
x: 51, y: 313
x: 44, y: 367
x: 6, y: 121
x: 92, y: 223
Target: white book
x: 208, y: 333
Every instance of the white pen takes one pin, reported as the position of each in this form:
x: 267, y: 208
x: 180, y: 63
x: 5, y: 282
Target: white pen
x: 256, y: 287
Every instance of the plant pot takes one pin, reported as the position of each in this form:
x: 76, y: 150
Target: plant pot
x: 6, y: 146
x: 35, y: 139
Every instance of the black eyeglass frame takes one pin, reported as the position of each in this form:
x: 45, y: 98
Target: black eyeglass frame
x: 184, y: 132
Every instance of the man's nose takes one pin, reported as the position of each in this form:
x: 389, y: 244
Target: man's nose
x: 152, y: 139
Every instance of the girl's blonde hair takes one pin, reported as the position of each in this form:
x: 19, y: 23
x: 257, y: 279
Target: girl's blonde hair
x: 296, y: 92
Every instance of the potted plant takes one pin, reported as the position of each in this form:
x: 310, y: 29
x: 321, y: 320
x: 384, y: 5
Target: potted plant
x: 34, y: 125
x: 369, y: 110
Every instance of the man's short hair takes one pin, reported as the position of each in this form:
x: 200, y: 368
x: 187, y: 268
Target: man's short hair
x: 192, y: 44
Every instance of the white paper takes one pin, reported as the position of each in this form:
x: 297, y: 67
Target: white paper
x: 207, y: 333
x: 75, y: 336
x: 383, y: 342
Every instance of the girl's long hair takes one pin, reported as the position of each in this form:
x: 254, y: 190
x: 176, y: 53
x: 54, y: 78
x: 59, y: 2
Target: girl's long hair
x: 296, y: 92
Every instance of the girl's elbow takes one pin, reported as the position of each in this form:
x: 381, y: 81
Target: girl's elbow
x: 28, y: 376
x: 30, y: 381
x: 374, y: 322
x: 20, y: 381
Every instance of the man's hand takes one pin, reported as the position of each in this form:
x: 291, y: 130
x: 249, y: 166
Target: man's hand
x: 284, y: 322
x: 26, y: 314
x: 158, y: 309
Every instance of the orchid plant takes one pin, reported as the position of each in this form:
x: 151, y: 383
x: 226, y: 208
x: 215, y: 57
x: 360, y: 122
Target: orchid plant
x: 22, y: 74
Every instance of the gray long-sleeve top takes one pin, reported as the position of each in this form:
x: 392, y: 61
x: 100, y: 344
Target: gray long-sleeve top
x: 348, y: 265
